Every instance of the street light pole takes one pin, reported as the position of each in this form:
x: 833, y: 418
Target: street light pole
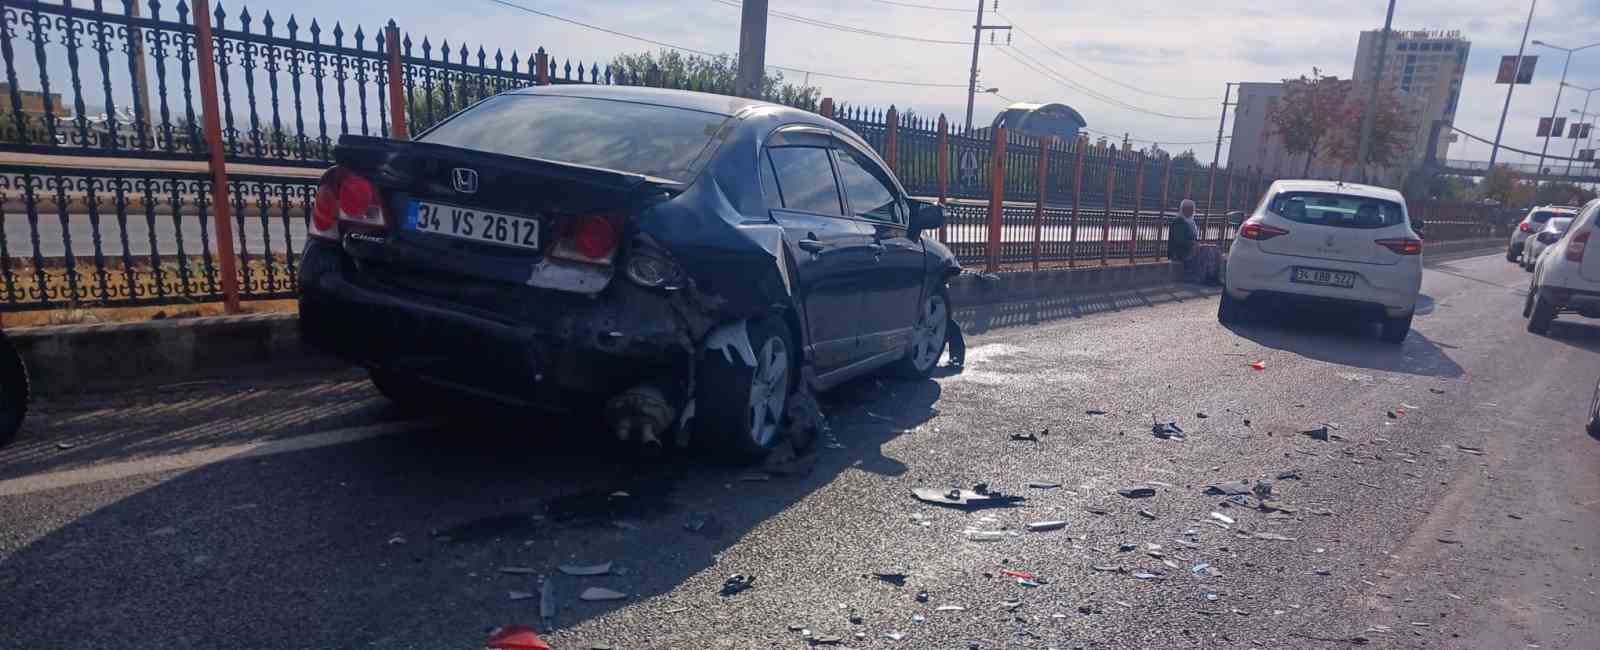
x: 1582, y: 115
x: 1216, y: 154
x: 1494, y: 151
x: 1539, y: 172
x: 1368, y: 117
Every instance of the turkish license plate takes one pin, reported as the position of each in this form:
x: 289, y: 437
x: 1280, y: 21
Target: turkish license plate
x: 1325, y: 278
x: 474, y: 224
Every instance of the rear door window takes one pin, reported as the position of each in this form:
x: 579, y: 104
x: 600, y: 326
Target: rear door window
x: 805, y: 179
x: 1337, y: 210
x: 870, y: 197
x: 1545, y: 215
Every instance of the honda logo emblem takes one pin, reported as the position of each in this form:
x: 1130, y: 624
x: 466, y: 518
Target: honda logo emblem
x: 466, y: 180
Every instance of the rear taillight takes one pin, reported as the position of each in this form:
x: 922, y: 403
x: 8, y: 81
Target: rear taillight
x: 591, y: 239
x: 1575, y: 247
x: 1261, y: 232
x: 343, y: 195
x: 1402, y: 246
x: 1523, y: 227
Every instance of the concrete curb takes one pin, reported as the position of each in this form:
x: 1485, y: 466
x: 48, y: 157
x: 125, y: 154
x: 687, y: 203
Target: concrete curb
x: 68, y: 359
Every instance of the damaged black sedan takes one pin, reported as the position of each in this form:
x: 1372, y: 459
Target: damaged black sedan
x: 685, y: 262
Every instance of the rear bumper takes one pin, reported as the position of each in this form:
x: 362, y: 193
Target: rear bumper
x: 1387, y: 290
x: 1583, y: 301
x: 561, y: 347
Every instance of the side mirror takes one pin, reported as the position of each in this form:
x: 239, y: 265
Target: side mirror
x: 1419, y: 225
x: 1236, y: 218
x: 926, y: 216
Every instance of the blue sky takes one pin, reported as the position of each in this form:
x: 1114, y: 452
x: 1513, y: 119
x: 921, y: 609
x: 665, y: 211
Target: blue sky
x: 1155, y: 50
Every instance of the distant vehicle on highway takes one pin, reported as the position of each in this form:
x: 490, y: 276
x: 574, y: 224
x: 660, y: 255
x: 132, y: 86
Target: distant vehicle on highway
x: 1566, y: 278
x: 1552, y: 231
x: 1343, y: 246
x: 13, y: 391
x: 1531, y: 223
x: 692, y: 257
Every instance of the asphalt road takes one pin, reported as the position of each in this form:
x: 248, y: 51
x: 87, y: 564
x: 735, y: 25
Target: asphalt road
x: 305, y: 513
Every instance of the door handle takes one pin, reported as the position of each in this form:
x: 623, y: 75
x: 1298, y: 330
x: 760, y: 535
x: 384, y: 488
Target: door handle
x: 813, y: 246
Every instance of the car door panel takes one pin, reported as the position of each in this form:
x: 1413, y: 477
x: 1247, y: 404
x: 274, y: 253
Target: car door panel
x: 892, y: 291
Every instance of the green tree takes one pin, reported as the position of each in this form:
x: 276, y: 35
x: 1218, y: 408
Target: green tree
x: 1308, y: 116
x: 674, y: 69
x: 1391, y: 129
x: 1500, y: 183
x: 1186, y: 159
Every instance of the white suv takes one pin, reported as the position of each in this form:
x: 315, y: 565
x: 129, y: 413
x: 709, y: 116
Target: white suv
x: 1565, y: 279
x: 1324, y: 243
x: 1531, y: 224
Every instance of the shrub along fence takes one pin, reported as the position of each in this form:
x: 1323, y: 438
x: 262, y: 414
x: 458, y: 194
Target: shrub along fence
x: 136, y: 205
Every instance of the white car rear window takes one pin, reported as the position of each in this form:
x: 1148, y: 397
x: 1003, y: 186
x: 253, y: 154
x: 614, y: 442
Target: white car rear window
x: 1338, y: 210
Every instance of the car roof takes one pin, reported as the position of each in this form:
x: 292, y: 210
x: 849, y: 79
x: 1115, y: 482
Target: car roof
x: 1555, y: 208
x: 1336, y: 187
x: 685, y: 99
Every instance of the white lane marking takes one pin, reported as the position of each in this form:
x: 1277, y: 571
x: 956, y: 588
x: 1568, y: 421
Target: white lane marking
x: 127, y: 469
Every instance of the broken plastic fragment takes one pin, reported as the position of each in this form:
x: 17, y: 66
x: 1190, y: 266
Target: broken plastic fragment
x: 1222, y: 518
x: 1094, y: 412
x: 1107, y: 568
x: 949, y: 608
x: 895, y: 577
x: 1147, y: 514
x: 965, y: 499
x: 1041, y: 526
x: 515, y: 637
x: 737, y: 583
x: 1273, y: 537
x: 1259, y: 365
x: 1228, y: 488
x: 1137, y: 491
x: 589, y: 570
x: 1043, y: 485
x: 601, y: 593
x: 519, y: 595
x: 1146, y: 576
x: 1319, y: 433
x: 1018, y: 574
x: 1030, y: 437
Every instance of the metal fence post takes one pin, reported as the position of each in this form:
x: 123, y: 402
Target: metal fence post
x: 1105, y: 223
x: 222, y: 209
x: 826, y: 110
x: 891, y: 127
x: 997, y: 196
x: 397, y: 91
x: 1038, y: 203
x: 1161, y: 227
x: 1138, y: 202
x: 1227, y: 195
x: 541, y: 60
x: 1077, y: 192
x: 1211, y: 197
x: 943, y: 162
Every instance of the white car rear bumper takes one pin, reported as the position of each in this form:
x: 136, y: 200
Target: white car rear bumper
x: 1393, y: 288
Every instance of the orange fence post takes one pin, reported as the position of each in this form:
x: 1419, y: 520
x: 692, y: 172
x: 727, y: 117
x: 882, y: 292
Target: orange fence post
x: 1138, y: 202
x: 541, y: 60
x: 891, y: 128
x: 997, y: 196
x: 1038, y: 203
x: 827, y: 107
x: 397, y: 91
x: 221, y: 210
x: 1077, y: 191
x: 1105, y: 222
x: 943, y: 161
x: 1166, y: 179
x: 1211, y: 197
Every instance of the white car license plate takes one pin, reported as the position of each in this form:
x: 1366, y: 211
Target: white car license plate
x: 1325, y: 278
x: 473, y: 224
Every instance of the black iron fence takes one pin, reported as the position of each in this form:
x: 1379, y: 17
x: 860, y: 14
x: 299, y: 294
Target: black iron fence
x: 128, y: 84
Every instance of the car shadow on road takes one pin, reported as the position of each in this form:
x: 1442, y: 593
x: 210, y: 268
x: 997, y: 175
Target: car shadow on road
x: 1343, y: 341
x: 1577, y: 332
x: 400, y: 540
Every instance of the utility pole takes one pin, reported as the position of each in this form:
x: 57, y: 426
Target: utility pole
x: 752, y: 49
x: 1582, y: 115
x: 1557, y: 106
x: 1494, y: 151
x: 1216, y: 155
x: 1368, y: 117
x: 977, y: 40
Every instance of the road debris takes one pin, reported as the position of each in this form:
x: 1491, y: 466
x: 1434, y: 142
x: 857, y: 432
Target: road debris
x: 518, y: 570
x: 1147, y: 576
x: 1476, y: 451
x: 956, y: 348
x: 396, y: 539
x: 1228, y: 488
x: 1147, y: 514
x: 1201, y: 415
x: 1094, y: 412
x: 893, y: 635
x: 1262, y: 489
x: 1222, y: 518
x: 1436, y: 391
x: 1042, y: 526
x: 1167, y: 430
x: 1126, y: 547
x: 949, y: 608
x: 894, y: 577
x: 601, y: 593
x: 1273, y: 537
x: 1204, y: 570
x: 1289, y: 474
x: 1043, y: 485
x: 519, y: 595
x: 737, y: 583
x: 1396, y: 414
x: 1107, y: 568
x: 1137, y: 491
x: 1029, y: 437
x: 966, y: 499
x: 515, y: 637
x: 66, y: 445
x: 1259, y: 365
x: 586, y: 570
x: 1443, y: 539
x: 1319, y: 433
x: 922, y: 596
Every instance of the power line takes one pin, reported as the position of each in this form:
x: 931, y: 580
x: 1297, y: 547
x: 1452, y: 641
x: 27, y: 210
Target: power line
x: 1097, y: 74
x: 846, y: 28
x: 670, y: 46
x: 1034, y: 64
x: 917, y: 6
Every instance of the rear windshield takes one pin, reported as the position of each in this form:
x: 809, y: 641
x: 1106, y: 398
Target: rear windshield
x: 645, y: 139
x: 1559, y: 224
x: 1544, y: 215
x: 1338, y: 210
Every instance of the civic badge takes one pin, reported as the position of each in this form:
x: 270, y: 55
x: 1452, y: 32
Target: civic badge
x: 465, y: 180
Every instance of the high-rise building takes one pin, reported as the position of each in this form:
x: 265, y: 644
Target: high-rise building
x: 1253, y: 145
x: 1424, y: 68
